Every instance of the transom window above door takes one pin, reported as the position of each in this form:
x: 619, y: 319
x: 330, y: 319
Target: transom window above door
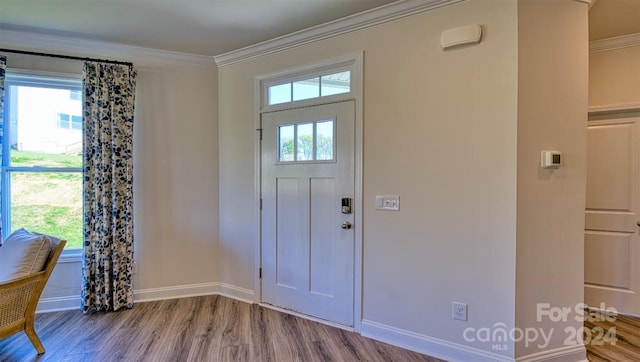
x: 322, y: 85
x: 306, y: 142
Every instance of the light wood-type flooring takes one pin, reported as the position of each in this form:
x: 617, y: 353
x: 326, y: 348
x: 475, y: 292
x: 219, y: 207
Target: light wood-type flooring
x: 625, y: 330
x: 208, y: 328
x: 215, y: 328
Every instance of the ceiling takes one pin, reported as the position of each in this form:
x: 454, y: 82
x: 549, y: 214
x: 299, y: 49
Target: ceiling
x: 213, y: 27
x: 205, y: 27
x: 611, y: 18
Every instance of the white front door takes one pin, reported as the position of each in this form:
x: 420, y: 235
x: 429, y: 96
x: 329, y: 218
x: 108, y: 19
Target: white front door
x: 307, y: 241
x: 612, y: 235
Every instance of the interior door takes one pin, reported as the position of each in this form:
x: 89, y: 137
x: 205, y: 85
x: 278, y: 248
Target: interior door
x: 612, y: 235
x: 308, y: 240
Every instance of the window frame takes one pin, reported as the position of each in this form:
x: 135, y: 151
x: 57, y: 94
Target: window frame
x: 20, y: 77
x: 305, y: 74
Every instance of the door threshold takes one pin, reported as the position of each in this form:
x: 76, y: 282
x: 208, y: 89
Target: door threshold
x: 309, y: 317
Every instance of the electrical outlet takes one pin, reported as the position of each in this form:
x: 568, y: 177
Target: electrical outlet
x: 459, y: 311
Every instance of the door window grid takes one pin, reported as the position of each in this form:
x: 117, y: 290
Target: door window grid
x: 306, y: 142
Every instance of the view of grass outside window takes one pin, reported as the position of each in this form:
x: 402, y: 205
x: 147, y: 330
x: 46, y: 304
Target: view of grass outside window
x: 42, y: 166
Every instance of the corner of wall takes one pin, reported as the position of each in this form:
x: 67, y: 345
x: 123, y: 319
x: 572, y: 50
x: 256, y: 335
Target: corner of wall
x: 552, y: 114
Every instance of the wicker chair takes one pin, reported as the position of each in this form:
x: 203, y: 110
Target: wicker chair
x: 19, y: 299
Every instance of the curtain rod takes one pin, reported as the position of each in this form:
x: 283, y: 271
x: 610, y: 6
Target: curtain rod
x: 65, y: 57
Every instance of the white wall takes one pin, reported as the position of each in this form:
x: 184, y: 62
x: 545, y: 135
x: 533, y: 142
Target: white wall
x: 552, y: 115
x: 440, y: 131
x: 176, y: 177
x: 175, y: 182
x: 457, y: 135
x: 614, y: 77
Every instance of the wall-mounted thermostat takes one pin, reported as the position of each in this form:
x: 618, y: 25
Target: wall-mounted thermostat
x: 550, y: 159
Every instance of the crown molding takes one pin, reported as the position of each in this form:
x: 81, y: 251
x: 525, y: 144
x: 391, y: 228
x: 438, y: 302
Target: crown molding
x: 614, y: 108
x: 618, y: 42
x: 90, y: 48
x: 379, y: 15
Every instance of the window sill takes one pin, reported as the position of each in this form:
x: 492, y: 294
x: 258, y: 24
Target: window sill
x: 71, y: 256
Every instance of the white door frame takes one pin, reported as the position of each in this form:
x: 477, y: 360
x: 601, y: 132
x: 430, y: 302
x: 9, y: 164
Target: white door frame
x: 355, y: 63
x: 598, y: 114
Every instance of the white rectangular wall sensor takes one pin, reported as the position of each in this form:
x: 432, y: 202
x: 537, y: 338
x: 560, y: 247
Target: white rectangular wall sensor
x: 550, y: 159
x: 461, y: 36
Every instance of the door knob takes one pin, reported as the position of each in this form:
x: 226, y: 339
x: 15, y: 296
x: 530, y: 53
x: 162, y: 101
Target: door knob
x: 638, y: 222
x: 346, y: 225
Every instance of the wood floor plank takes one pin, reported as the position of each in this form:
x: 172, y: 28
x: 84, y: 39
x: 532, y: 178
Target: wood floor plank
x: 262, y: 349
x: 238, y: 353
x: 353, y: 348
x: 320, y: 352
x: 626, y: 346
x: 235, y: 315
x: 203, y: 342
x: 292, y: 348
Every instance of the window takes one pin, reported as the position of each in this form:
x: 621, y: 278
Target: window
x: 42, y: 165
x: 305, y: 142
x: 68, y: 121
x: 63, y: 121
x: 309, y: 88
x: 75, y: 95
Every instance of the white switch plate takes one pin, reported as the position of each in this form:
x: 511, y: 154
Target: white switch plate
x: 388, y: 202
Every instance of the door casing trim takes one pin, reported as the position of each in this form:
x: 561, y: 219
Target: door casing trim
x: 357, y: 59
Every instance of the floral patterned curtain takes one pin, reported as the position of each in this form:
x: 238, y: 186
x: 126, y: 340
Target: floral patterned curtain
x: 109, y: 91
x: 3, y: 67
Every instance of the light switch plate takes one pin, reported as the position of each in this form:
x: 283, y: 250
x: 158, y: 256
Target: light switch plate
x: 388, y: 202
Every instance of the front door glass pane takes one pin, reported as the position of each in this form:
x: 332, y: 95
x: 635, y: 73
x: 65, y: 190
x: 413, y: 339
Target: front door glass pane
x: 324, y: 140
x: 286, y: 144
x: 305, y: 142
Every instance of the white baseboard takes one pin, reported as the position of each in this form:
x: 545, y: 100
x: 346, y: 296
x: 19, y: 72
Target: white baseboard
x: 232, y: 291
x: 427, y: 345
x: 151, y: 294
x: 174, y: 292
x: 57, y: 304
x: 451, y: 351
x: 575, y: 353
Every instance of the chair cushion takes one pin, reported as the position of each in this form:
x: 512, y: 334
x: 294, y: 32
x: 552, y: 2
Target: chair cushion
x: 54, y: 240
x: 23, y: 253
